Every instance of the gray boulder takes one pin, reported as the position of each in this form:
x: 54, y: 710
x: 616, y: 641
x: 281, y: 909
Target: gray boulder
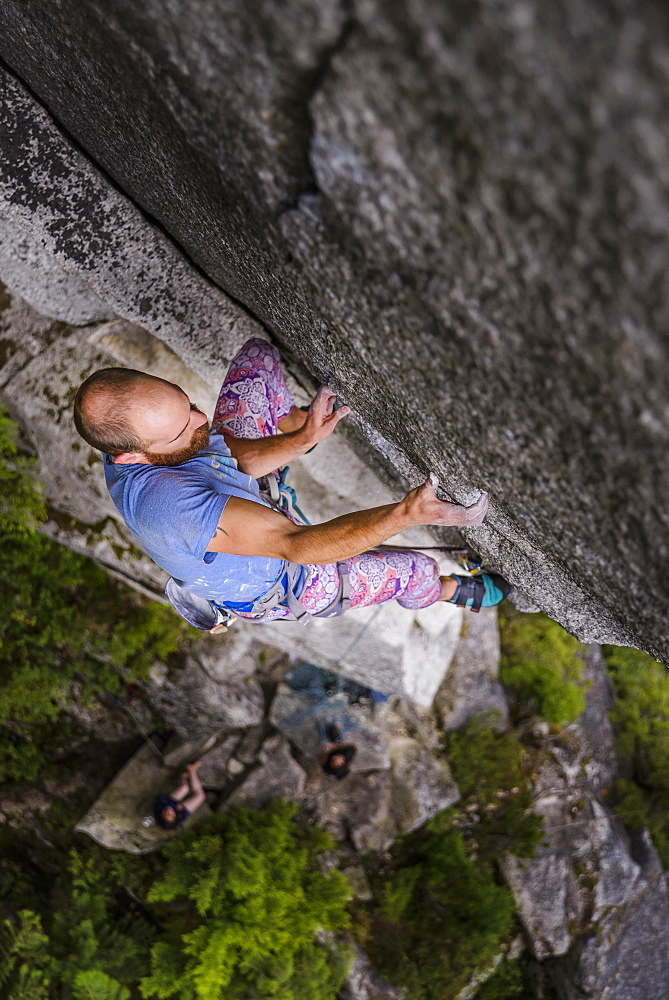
x: 395, y: 784
x: 296, y: 718
x: 365, y: 983
x: 205, y: 696
x: 593, y: 902
x: 116, y: 818
x: 471, y: 687
x: 627, y: 956
x: 370, y: 810
x: 276, y: 775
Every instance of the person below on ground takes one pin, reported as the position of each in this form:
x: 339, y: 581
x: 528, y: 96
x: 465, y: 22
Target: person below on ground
x: 336, y: 756
x: 328, y: 705
x: 171, y: 810
x: 189, y: 493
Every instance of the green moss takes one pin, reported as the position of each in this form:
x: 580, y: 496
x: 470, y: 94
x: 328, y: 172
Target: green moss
x: 493, y: 771
x: 441, y: 916
x: 640, y: 718
x: 440, y: 911
x: 61, y: 617
x: 541, y: 665
x: 508, y: 983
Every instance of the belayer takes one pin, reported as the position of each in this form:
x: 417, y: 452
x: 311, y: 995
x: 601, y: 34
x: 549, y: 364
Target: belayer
x: 189, y: 493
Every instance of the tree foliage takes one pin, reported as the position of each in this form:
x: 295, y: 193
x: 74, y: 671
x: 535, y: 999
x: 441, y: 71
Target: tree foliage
x: 641, y: 719
x: 493, y: 771
x: 540, y: 664
x: 441, y: 916
x: 507, y: 983
x: 443, y: 913
x: 253, y: 902
x: 93, y: 984
x: 24, y: 958
x: 61, y: 616
x: 83, y: 936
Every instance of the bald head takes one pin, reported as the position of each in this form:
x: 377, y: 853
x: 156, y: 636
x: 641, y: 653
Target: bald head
x: 139, y: 418
x: 109, y: 405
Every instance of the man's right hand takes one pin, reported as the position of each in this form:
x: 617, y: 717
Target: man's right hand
x: 247, y: 528
x: 421, y: 506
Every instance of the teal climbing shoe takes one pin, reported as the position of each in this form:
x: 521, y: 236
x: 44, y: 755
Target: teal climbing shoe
x: 482, y: 591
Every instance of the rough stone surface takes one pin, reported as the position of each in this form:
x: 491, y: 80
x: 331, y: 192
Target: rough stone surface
x: 115, y: 819
x: 627, y: 957
x: 208, y: 694
x: 593, y: 904
x: 365, y: 983
x: 395, y: 784
x: 83, y: 226
x: 276, y: 776
x: 295, y: 717
x: 457, y: 214
x: 36, y: 276
x: 471, y: 686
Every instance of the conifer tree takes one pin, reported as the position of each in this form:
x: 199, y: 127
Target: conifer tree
x: 97, y: 985
x: 257, y: 901
x: 24, y: 958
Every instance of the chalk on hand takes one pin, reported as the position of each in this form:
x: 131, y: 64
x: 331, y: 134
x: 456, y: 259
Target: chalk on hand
x: 433, y: 479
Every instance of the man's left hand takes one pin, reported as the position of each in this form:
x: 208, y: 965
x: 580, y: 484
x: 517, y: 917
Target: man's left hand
x: 323, y: 416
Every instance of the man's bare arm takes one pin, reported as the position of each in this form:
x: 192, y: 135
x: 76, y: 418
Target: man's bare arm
x: 258, y: 456
x: 250, y: 529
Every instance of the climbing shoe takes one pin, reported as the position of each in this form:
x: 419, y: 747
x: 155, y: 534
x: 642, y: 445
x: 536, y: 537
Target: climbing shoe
x: 482, y: 591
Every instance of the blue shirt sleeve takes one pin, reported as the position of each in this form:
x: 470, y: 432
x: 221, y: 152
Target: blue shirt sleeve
x: 178, y: 512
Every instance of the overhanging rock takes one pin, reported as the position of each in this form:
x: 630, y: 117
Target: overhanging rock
x: 457, y: 215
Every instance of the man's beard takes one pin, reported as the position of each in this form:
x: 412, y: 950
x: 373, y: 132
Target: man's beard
x: 198, y: 442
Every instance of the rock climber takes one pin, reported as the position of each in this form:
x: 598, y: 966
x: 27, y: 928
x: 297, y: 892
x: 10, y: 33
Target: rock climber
x: 189, y: 493
x: 171, y: 810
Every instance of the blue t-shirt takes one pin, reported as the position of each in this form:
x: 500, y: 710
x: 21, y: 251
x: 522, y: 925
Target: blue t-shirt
x: 173, y: 512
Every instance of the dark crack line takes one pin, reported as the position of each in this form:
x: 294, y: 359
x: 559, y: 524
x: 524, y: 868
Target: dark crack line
x: 312, y: 83
x: 146, y: 215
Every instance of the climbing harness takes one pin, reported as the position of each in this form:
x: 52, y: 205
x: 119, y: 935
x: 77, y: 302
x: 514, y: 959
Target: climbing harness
x: 280, y: 495
x: 212, y: 617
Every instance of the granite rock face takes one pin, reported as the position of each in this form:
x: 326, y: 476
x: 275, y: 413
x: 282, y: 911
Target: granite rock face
x: 457, y: 214
x: 396, y: 784
x: 472, y: 687
x: 35, y: 274
x: 593, y: 902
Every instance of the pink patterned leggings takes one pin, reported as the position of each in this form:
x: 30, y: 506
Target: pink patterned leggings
x: 253, y: 399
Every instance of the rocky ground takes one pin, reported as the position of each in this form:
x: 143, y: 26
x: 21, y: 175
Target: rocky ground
x: 593, y: 902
